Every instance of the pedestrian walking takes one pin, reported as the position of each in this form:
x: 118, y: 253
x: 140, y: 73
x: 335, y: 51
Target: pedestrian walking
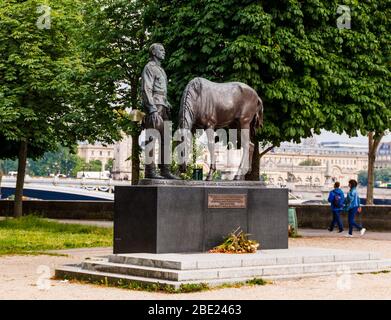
x: 337, y: 200
x: 353, y: 207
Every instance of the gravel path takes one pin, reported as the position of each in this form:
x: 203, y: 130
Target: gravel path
x: 20, y: 279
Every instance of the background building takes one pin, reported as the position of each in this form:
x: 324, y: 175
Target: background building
x: 312, y: 163
x: 97, y: 151
x: 308, y: 163
x: 122, y: 164
x: 119, y: 152
x: 383, y: 158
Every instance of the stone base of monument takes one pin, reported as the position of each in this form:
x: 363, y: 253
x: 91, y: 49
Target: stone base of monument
x: 171, y: 216
x: 173, y: 270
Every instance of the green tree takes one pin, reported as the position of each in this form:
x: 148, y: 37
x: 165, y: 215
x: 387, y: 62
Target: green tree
x: 264, y: 177
x: 35, y: 65
x: 109, y: 165
x: 115, y: 42
x: 11, y: 150
x: 61, y: 161
x: 309, y: 73
x: 1, y: 174
x: 94, y: 165
x: 310, y: 162
x: 383, y: 175
x: 42, y: 84
x: 358, y: 87
x: 363, y: 178
x: 267, y: 45
x: 8, y: 165
x: 80, y: 165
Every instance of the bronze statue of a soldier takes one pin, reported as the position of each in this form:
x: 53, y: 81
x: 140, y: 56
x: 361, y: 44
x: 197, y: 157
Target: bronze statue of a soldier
x: 157, y: 108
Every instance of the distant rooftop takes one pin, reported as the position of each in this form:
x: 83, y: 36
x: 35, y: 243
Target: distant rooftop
x: 339, y: 144
x: 311, y: 146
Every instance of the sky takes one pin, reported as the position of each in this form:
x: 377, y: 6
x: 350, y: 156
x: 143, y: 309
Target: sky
x: 329, y: 136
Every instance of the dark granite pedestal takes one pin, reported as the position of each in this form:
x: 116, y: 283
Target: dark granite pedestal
x: 178, y: 217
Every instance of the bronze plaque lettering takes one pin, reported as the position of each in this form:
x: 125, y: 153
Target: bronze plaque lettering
x: 224, y: 201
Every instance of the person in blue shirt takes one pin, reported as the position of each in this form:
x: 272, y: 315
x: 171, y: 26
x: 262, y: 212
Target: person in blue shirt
x: 353, y: 206
x: 336, y: 199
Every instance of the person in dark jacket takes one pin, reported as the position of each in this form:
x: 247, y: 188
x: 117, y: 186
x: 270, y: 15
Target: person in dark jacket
x: 353, y: 206
x: 336, y: 199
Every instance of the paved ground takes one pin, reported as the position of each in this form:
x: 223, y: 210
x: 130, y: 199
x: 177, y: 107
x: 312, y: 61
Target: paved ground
x: 26, y: 277
x: 315, y: 233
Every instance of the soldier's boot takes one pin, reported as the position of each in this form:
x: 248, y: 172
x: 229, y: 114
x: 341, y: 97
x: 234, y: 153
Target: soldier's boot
x: 151, y: 173
x: 166, y: 173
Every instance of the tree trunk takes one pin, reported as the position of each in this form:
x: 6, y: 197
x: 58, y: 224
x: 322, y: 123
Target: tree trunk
x: 135, y: 133
x: 1, y: 175
x: 256, y: 163
x: 22, y: 159
x: 253, y: 175
x: 135, y: 158
x: 373, y: 144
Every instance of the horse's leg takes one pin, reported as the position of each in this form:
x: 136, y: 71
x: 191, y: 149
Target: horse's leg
x: 211, y: 146
x: 250, y: 155
x: 248, y: 149
x: 187, y: 140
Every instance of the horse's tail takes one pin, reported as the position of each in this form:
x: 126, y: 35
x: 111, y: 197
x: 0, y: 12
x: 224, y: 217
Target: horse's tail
x: 186, y: 112
x: 257, y: 121
x: 183, y: 117
x: 186, y: 118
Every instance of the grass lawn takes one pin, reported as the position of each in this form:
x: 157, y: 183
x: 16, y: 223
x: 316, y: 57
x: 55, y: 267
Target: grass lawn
x: 32, y: 235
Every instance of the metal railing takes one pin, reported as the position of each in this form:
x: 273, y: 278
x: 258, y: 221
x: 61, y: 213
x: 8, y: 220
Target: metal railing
x: 56, y: 181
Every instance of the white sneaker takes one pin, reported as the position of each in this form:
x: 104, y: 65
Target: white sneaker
x: 362, y: 232
x: 348, y: 235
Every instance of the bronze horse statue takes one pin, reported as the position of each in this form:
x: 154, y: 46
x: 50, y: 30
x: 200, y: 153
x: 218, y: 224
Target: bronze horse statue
x: 208, y: 105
